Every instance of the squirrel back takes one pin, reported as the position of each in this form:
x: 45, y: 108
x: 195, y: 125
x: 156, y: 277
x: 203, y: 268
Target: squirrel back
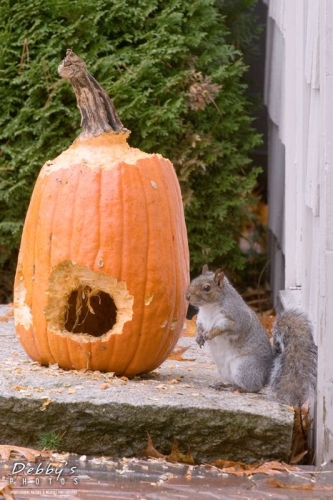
x: 294, y: 372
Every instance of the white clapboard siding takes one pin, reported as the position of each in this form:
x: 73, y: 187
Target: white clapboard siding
x: 299, y: 99
x: 312, y: 168
x: 325, y: 313
x: 311, y: 54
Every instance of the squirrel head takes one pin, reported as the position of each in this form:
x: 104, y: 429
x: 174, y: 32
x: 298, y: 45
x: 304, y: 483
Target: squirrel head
x: 206, y: 288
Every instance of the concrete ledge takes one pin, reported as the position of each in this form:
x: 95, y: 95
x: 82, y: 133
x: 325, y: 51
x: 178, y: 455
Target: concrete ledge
x: 97, y: 414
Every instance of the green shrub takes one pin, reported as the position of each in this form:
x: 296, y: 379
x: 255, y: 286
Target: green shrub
x: 176, y: 81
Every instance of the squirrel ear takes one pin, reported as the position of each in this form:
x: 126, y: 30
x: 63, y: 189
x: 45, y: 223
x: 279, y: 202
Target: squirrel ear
x: 218, y: 276
x: 205, y: 269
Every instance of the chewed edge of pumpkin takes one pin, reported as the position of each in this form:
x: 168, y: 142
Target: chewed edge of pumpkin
x: 22, y: 312
x: 79, y: 299
x: 82, y: 304
x: 112, y: 150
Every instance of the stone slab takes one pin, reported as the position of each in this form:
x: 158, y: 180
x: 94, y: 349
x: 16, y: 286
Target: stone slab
x: 98, y: 414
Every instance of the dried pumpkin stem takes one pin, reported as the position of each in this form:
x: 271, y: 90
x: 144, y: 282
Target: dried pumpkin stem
x: 97, y: 110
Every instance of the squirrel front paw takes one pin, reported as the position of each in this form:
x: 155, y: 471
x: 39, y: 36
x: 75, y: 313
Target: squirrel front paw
x: 200, y: 339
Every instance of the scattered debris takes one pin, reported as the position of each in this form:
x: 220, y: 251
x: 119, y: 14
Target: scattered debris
x: 241, y: 469
x: 296, y: 486
x: 177, y: 354
x: 8, y: 451
x: 6, y: 491
x: 300, y: 451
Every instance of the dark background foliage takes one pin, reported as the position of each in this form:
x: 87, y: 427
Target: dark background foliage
x: 175, y: 72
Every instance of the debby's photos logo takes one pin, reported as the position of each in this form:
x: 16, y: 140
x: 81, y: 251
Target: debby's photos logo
x: 42, y: 474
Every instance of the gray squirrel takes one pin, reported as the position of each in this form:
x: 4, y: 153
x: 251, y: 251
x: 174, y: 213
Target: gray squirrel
x: 240, y: 345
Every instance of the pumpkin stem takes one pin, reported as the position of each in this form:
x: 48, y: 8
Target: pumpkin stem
x: 97, y: 110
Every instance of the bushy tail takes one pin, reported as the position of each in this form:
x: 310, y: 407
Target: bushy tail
x: 293, y: 378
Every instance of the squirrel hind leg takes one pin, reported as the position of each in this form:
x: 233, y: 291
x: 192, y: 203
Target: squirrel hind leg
x: 248, y: 377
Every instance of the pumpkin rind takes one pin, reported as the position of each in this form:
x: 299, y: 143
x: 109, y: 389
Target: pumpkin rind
x: 104, y: 217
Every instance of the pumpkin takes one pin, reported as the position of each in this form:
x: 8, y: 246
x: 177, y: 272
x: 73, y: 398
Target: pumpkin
x: 103, y: 264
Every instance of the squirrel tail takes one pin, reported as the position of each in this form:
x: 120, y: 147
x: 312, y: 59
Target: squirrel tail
x: 293, y: 377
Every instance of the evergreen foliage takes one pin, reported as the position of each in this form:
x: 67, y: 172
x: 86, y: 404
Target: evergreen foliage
x: 175, y: 78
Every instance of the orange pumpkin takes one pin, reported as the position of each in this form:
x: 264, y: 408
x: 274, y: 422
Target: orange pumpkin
x: 103, y: 263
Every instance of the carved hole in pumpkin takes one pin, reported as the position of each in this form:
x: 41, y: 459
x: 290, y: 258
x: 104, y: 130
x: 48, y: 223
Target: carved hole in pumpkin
x: 90, y: 311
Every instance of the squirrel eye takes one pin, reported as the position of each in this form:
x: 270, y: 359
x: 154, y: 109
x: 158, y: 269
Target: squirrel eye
x: 206, y: 288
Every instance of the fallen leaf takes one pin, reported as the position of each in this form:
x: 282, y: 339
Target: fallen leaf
x: 279, y: 484
x: 124, y: 379
x: 263, y: 469
x: 241, y: 469
x: 235, y: 472
x: 6, y: 490
x: 298, y: 458
x: 302, y: 427
x: 274, y: 464
x: 224, y: 464
x: 177, y: 354
x: 177, y: 456
x: 150, y: 451
x: 7, y: 451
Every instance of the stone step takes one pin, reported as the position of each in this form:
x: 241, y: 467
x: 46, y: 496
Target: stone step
x: 95, y: 413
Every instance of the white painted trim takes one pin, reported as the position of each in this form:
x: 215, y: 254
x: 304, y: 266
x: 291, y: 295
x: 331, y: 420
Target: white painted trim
x: 291, y: 299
